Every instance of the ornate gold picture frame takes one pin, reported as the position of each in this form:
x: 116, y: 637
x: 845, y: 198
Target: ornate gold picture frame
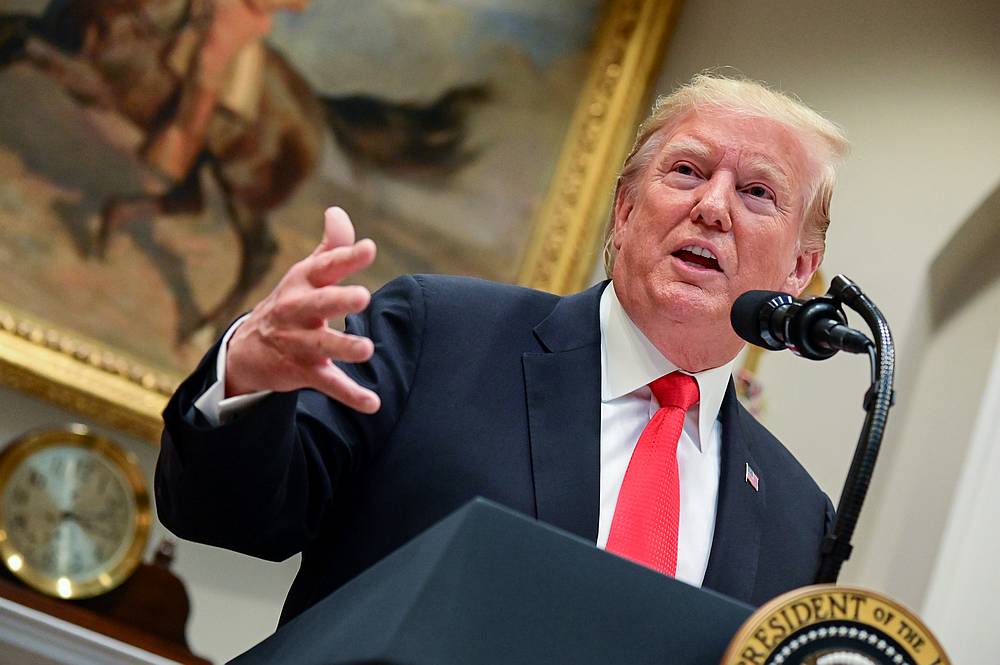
x: 101, y: 381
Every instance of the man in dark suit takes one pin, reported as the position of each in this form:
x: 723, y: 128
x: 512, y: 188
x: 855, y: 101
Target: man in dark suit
x: 292, y: 437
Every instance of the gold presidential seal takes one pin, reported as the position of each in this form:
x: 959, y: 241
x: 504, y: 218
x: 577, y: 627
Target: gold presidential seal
x: 833, y: 625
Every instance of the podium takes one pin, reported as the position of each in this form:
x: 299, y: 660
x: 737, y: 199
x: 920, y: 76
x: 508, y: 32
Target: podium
x: 488, y: 585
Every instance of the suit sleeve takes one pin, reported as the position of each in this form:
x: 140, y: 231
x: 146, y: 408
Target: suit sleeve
x: 830, y: 516
x: 263, y: 483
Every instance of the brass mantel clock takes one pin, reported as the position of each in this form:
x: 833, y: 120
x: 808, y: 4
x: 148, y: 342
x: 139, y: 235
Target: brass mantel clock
x: 74, y: 512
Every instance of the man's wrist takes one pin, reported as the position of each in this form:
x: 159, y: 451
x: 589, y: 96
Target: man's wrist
x: 214, y: 403
x: 233, y: 381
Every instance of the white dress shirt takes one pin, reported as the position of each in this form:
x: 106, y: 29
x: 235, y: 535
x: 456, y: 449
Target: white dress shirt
x: 629, y: 362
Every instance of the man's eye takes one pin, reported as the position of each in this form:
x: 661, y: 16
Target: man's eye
x: 684, y: 169
x: 760, y: 192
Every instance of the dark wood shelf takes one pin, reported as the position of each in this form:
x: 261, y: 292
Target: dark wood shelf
x: 135, y: 599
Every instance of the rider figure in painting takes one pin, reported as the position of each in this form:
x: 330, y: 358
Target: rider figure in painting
x: 219, y: 58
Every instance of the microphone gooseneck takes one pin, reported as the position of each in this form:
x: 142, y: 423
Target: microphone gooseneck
x: 878, y: 400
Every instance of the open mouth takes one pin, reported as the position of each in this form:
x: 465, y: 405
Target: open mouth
x: 698, y: 256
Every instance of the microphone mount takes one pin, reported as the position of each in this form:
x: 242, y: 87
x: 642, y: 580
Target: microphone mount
x: 815, y: 328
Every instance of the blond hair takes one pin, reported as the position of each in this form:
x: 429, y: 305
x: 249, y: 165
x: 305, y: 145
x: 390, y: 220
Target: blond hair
x: 745, y: 97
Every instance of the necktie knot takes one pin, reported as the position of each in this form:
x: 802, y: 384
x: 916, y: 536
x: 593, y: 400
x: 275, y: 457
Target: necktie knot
x: 676, y: 389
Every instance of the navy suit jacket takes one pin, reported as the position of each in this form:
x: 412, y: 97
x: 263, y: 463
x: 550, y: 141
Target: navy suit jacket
x: 487, y: 390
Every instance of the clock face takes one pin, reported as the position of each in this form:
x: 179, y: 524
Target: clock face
x: 72, y: 520
x: 69, y: 511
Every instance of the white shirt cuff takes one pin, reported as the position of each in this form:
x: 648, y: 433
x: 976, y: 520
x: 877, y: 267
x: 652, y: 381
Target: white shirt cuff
x: 213, y: 403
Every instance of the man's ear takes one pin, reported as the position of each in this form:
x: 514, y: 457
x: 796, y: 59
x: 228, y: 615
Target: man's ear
x: 624, y: 202
x: 806, y: 264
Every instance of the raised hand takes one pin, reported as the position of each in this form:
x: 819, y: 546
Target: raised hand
x: 285, y: 344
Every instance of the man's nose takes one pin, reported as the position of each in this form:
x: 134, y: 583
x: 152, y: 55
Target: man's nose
x: 714, y: 202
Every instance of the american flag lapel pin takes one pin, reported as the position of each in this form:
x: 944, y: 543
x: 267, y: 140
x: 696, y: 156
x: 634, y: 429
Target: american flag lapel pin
x: 752, y: 478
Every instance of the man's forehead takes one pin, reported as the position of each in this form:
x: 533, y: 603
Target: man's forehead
x: 773, y: 152
x: 691, y: 145
x: 701, y: 142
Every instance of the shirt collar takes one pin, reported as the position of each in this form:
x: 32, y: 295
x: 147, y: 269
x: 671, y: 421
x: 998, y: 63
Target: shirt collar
x: 629, y: 361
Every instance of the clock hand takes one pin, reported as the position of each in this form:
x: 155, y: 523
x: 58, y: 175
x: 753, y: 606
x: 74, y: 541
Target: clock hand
x: 94, y: 527
x: 86, y: 522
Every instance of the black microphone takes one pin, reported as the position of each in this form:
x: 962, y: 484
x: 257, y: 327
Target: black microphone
x: 815, y: 329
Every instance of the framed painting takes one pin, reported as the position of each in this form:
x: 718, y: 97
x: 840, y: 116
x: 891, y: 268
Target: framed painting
x: 478, y: 138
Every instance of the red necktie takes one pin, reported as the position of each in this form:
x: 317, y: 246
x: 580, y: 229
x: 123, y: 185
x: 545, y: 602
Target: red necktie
x: 647, y: 515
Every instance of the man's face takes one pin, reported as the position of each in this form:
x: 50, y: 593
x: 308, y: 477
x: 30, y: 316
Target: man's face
x: 729, y: 187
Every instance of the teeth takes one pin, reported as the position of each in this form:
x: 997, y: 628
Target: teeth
x: 700, y: 251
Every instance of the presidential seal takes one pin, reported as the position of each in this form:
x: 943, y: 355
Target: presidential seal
x: 833, y: 625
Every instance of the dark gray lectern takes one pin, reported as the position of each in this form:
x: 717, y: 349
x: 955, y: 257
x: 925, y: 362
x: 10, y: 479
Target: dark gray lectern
x: 487, y: 585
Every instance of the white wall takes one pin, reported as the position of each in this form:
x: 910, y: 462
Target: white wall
x: 235, y: 599
x: 964, y: 582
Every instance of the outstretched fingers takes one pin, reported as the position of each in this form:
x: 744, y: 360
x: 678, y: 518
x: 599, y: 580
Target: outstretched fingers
x: 338, y: 231
x: 334, y: 382
x: 286, y: 343
x: 312, y: 308
x: 336, y: 345
x: 307, y: 348
x: 333, y: 265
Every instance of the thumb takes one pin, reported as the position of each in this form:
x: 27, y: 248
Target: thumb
x: 337, y: 230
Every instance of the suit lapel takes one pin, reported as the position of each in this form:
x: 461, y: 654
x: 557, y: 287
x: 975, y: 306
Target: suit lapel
x: 563, y: 389
x: 732, y: 564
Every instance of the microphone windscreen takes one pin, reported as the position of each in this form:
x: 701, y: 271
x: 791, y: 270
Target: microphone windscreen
x: 746, y: 316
